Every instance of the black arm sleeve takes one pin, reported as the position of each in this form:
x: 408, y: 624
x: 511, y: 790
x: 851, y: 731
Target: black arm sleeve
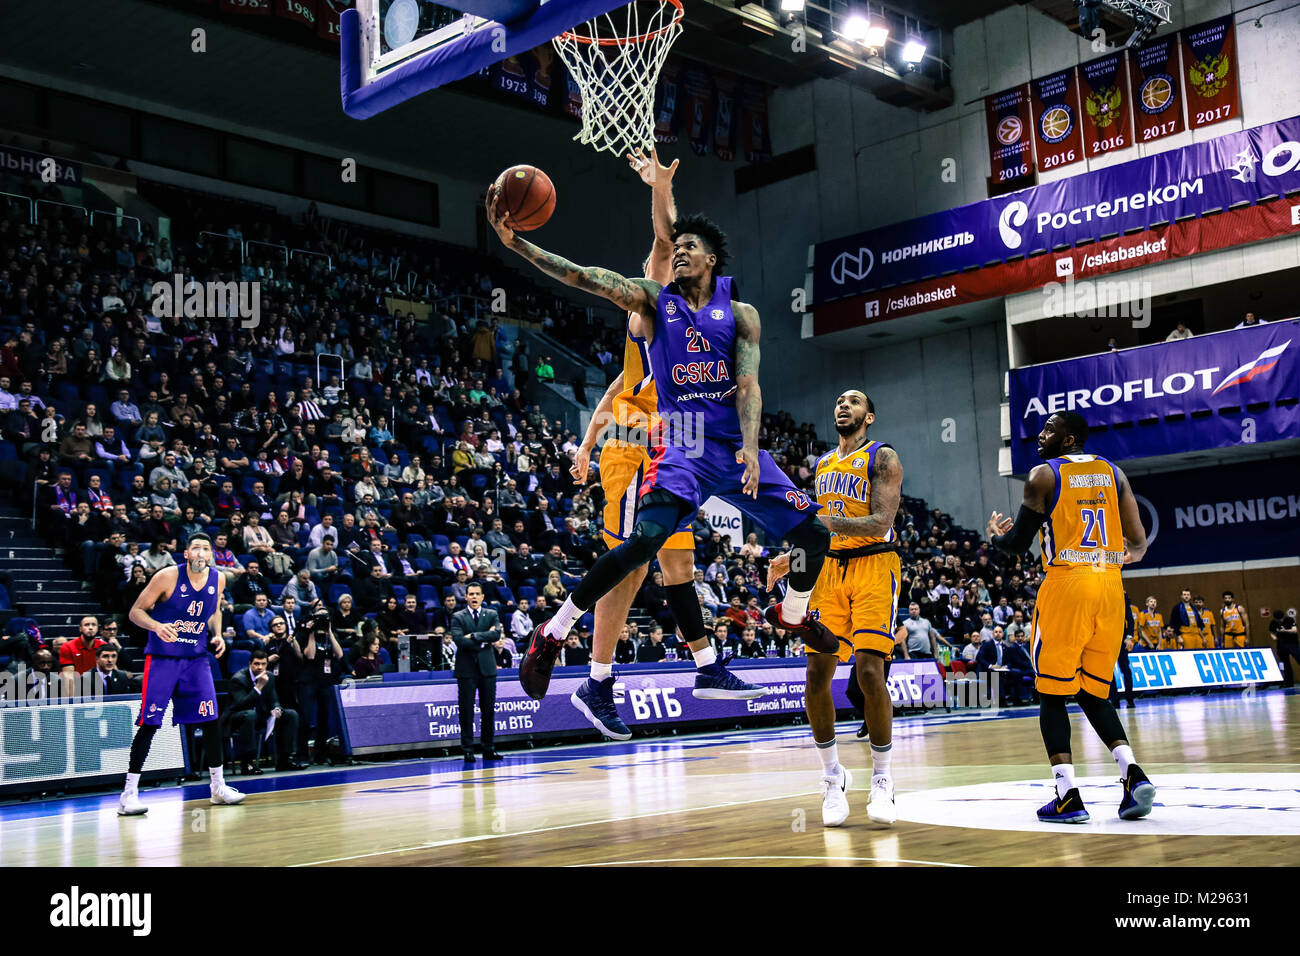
x: 1021, y: 535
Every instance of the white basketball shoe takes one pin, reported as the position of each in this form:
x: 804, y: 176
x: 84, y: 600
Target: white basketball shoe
x: 835, y: 797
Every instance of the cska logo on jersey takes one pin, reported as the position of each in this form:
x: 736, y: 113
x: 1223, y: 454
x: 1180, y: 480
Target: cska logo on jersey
x: 671, y: 307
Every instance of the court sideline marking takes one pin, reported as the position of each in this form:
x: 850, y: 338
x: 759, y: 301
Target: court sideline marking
x: 564, y: 826
x: 713, y: 859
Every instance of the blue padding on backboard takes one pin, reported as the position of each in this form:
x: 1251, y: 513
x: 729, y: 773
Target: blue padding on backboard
x: 452, y: 61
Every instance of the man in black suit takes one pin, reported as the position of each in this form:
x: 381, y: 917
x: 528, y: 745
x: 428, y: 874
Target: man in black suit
x: 475, y: 630
x: 1012, y: 665
x: 106, y: 679
x: 252, y: 702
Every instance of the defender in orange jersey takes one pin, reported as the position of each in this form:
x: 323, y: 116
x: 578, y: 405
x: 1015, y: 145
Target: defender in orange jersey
x: 858, y: 486
x: 1088, y: 524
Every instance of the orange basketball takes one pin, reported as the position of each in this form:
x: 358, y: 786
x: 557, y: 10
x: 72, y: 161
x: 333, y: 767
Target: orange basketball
x: 527, y: 197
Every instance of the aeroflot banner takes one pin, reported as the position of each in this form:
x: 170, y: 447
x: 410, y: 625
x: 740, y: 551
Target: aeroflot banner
x: 1241, y: 167
x: 1242, y: 512
x: 1171, y: 397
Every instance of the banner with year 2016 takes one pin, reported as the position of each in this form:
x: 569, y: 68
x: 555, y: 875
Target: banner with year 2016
x: 1011, y: 147
x: 1106, y: 118
x: 1057, y: 137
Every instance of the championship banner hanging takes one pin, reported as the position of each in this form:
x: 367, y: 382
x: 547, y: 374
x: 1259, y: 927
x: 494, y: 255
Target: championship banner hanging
x: 1055, y: 102
x: 1106, y: 118
x: 301, y: 12
x: 667, y: 95
x: 1157, y: 90
x: 1011, y: 148
x: 541, y: 73
x: 758, y: 140
x: 699, y: 108
x: 724, y: 121
x: 1210, y: 68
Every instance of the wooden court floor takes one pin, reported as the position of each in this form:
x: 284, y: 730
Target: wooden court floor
x: 1227, y: 768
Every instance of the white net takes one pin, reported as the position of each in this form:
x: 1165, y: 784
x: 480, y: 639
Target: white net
x: 615, y: 59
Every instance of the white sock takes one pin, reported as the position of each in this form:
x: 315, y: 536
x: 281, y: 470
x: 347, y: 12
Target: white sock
x: 794, y: 607
x: 600, y: 671
x: 830, y: 757
x: 558, y: 627
x: 1123, y: 755
x: 705, y: 657
x: 132, y: 783
x: 880, y: 757
x: 218, y: 776
x: 1064, y: 774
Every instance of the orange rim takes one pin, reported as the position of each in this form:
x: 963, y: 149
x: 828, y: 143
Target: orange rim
x: 627, y: 41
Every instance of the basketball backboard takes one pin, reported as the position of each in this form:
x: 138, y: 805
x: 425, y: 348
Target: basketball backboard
x: 393, y: 50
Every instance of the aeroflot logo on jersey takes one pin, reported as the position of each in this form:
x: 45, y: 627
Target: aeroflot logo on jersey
x: 1175, y: 383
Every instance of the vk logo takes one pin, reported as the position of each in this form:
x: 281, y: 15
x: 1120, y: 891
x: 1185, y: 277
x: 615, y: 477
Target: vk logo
x: 849, y: 266
x: 1013, y: 216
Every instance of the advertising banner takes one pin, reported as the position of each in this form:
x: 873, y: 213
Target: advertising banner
x: 1157, y: 90
x: 1011, y: 147
x: 1070, y: 280
x: 1055, y: 102
x: 1174, y: 670
x: 1173, y: 396
x: 1210, y: 70
x: 400, y: 714
x: 1106, y: 115
x: 725, y: 518
x: 40, y: 166
x: 1244, y: 512
x: 67, y: 742
x: 1236, y: 168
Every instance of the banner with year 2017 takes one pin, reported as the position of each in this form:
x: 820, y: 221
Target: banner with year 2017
x: 1106, y: 117
x: 1210, y: 68
x: 1057, y: 137
x: 1011, y: 145
x: 1156, y: 85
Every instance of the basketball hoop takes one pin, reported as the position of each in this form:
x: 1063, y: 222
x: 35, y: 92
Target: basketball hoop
x: 615, y: 60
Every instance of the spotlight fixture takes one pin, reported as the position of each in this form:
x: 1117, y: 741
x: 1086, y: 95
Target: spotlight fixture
x: 792, y: 6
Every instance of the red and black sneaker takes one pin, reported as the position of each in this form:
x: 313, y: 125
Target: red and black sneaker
x: 812, y: 632
x: 539, y: 661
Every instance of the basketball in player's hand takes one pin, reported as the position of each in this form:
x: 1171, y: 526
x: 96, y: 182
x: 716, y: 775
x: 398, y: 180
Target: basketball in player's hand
x: 526, y: 197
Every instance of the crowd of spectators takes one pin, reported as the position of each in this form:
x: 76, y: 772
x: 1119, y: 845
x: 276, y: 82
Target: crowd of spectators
x: 377, y: 494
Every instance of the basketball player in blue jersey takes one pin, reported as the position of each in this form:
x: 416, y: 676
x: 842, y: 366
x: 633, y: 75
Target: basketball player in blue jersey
x: 704, y: 354
x: 177, y: 607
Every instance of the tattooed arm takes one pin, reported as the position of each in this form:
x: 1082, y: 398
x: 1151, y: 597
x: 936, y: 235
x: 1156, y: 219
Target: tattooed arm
x: 886, y: 490
x: 749, y: 398
x: 631, y: 295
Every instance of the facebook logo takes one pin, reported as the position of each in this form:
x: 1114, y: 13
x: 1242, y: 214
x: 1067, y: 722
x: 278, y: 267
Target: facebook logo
x: 873, y: 309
